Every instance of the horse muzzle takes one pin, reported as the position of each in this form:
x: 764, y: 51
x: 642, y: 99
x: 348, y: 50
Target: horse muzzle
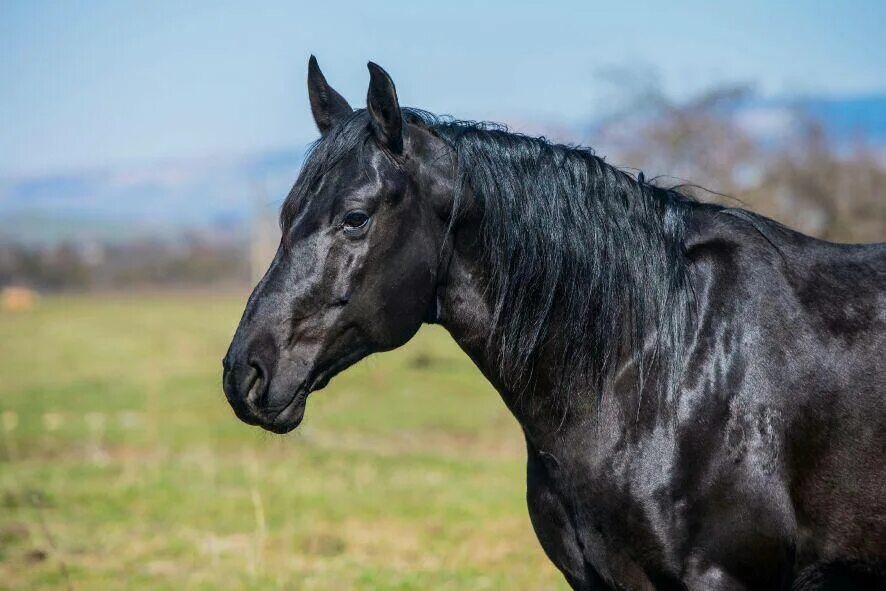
x: 249, y: 389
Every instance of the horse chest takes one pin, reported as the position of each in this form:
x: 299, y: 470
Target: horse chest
x: 595, y: 529
x: 628, y: 514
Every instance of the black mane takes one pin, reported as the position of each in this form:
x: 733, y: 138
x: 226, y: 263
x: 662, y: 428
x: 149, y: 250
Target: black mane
x: 573, y: 245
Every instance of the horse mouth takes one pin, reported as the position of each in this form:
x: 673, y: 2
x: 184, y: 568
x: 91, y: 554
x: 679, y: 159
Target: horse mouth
x: 291, y: 415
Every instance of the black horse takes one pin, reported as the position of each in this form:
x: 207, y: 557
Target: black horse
x: 700, y: 388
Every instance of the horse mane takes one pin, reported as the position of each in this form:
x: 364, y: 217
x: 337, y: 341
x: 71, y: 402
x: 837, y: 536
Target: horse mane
x: 584, y: 258
x: 585, y: 261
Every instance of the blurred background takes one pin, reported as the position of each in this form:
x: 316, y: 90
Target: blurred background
x: 145, y: 148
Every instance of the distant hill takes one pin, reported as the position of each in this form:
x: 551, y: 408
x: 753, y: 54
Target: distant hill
x: 844, y: 119
x: 152, y: 200
x: 164, y: 198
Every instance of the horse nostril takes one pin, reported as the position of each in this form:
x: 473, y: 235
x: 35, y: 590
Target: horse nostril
x: 256, y: 382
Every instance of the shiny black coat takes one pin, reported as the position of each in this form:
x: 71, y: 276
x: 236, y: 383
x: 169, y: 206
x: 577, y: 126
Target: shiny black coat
x: 766, y: 471
x: 701, y: 389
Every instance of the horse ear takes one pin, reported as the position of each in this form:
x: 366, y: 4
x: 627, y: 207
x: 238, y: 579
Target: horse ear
x: 329, y: 107
x: 384, y: 110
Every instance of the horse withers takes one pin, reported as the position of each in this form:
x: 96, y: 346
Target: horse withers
x: 701, y: 389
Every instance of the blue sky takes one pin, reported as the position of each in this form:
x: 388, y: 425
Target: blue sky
x: 102, y: 84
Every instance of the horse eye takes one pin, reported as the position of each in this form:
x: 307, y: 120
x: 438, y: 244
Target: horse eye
x: 355, y: 219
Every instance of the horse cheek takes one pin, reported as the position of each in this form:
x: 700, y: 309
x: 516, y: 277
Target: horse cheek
x: 406, y: 295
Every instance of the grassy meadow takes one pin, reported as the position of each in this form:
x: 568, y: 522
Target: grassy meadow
x: 122, y: 466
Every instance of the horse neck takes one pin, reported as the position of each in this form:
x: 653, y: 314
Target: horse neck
x: 464, y: 311
x: 542, y: 405
x: 553, y: 414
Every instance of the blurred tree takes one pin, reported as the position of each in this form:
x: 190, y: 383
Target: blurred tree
x: 802, y: 179
x: 818, y: 190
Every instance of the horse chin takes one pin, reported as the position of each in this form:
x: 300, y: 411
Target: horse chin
x: 289, y: 418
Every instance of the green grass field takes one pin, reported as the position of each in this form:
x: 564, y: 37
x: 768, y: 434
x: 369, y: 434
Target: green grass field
x: 122, y: 466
